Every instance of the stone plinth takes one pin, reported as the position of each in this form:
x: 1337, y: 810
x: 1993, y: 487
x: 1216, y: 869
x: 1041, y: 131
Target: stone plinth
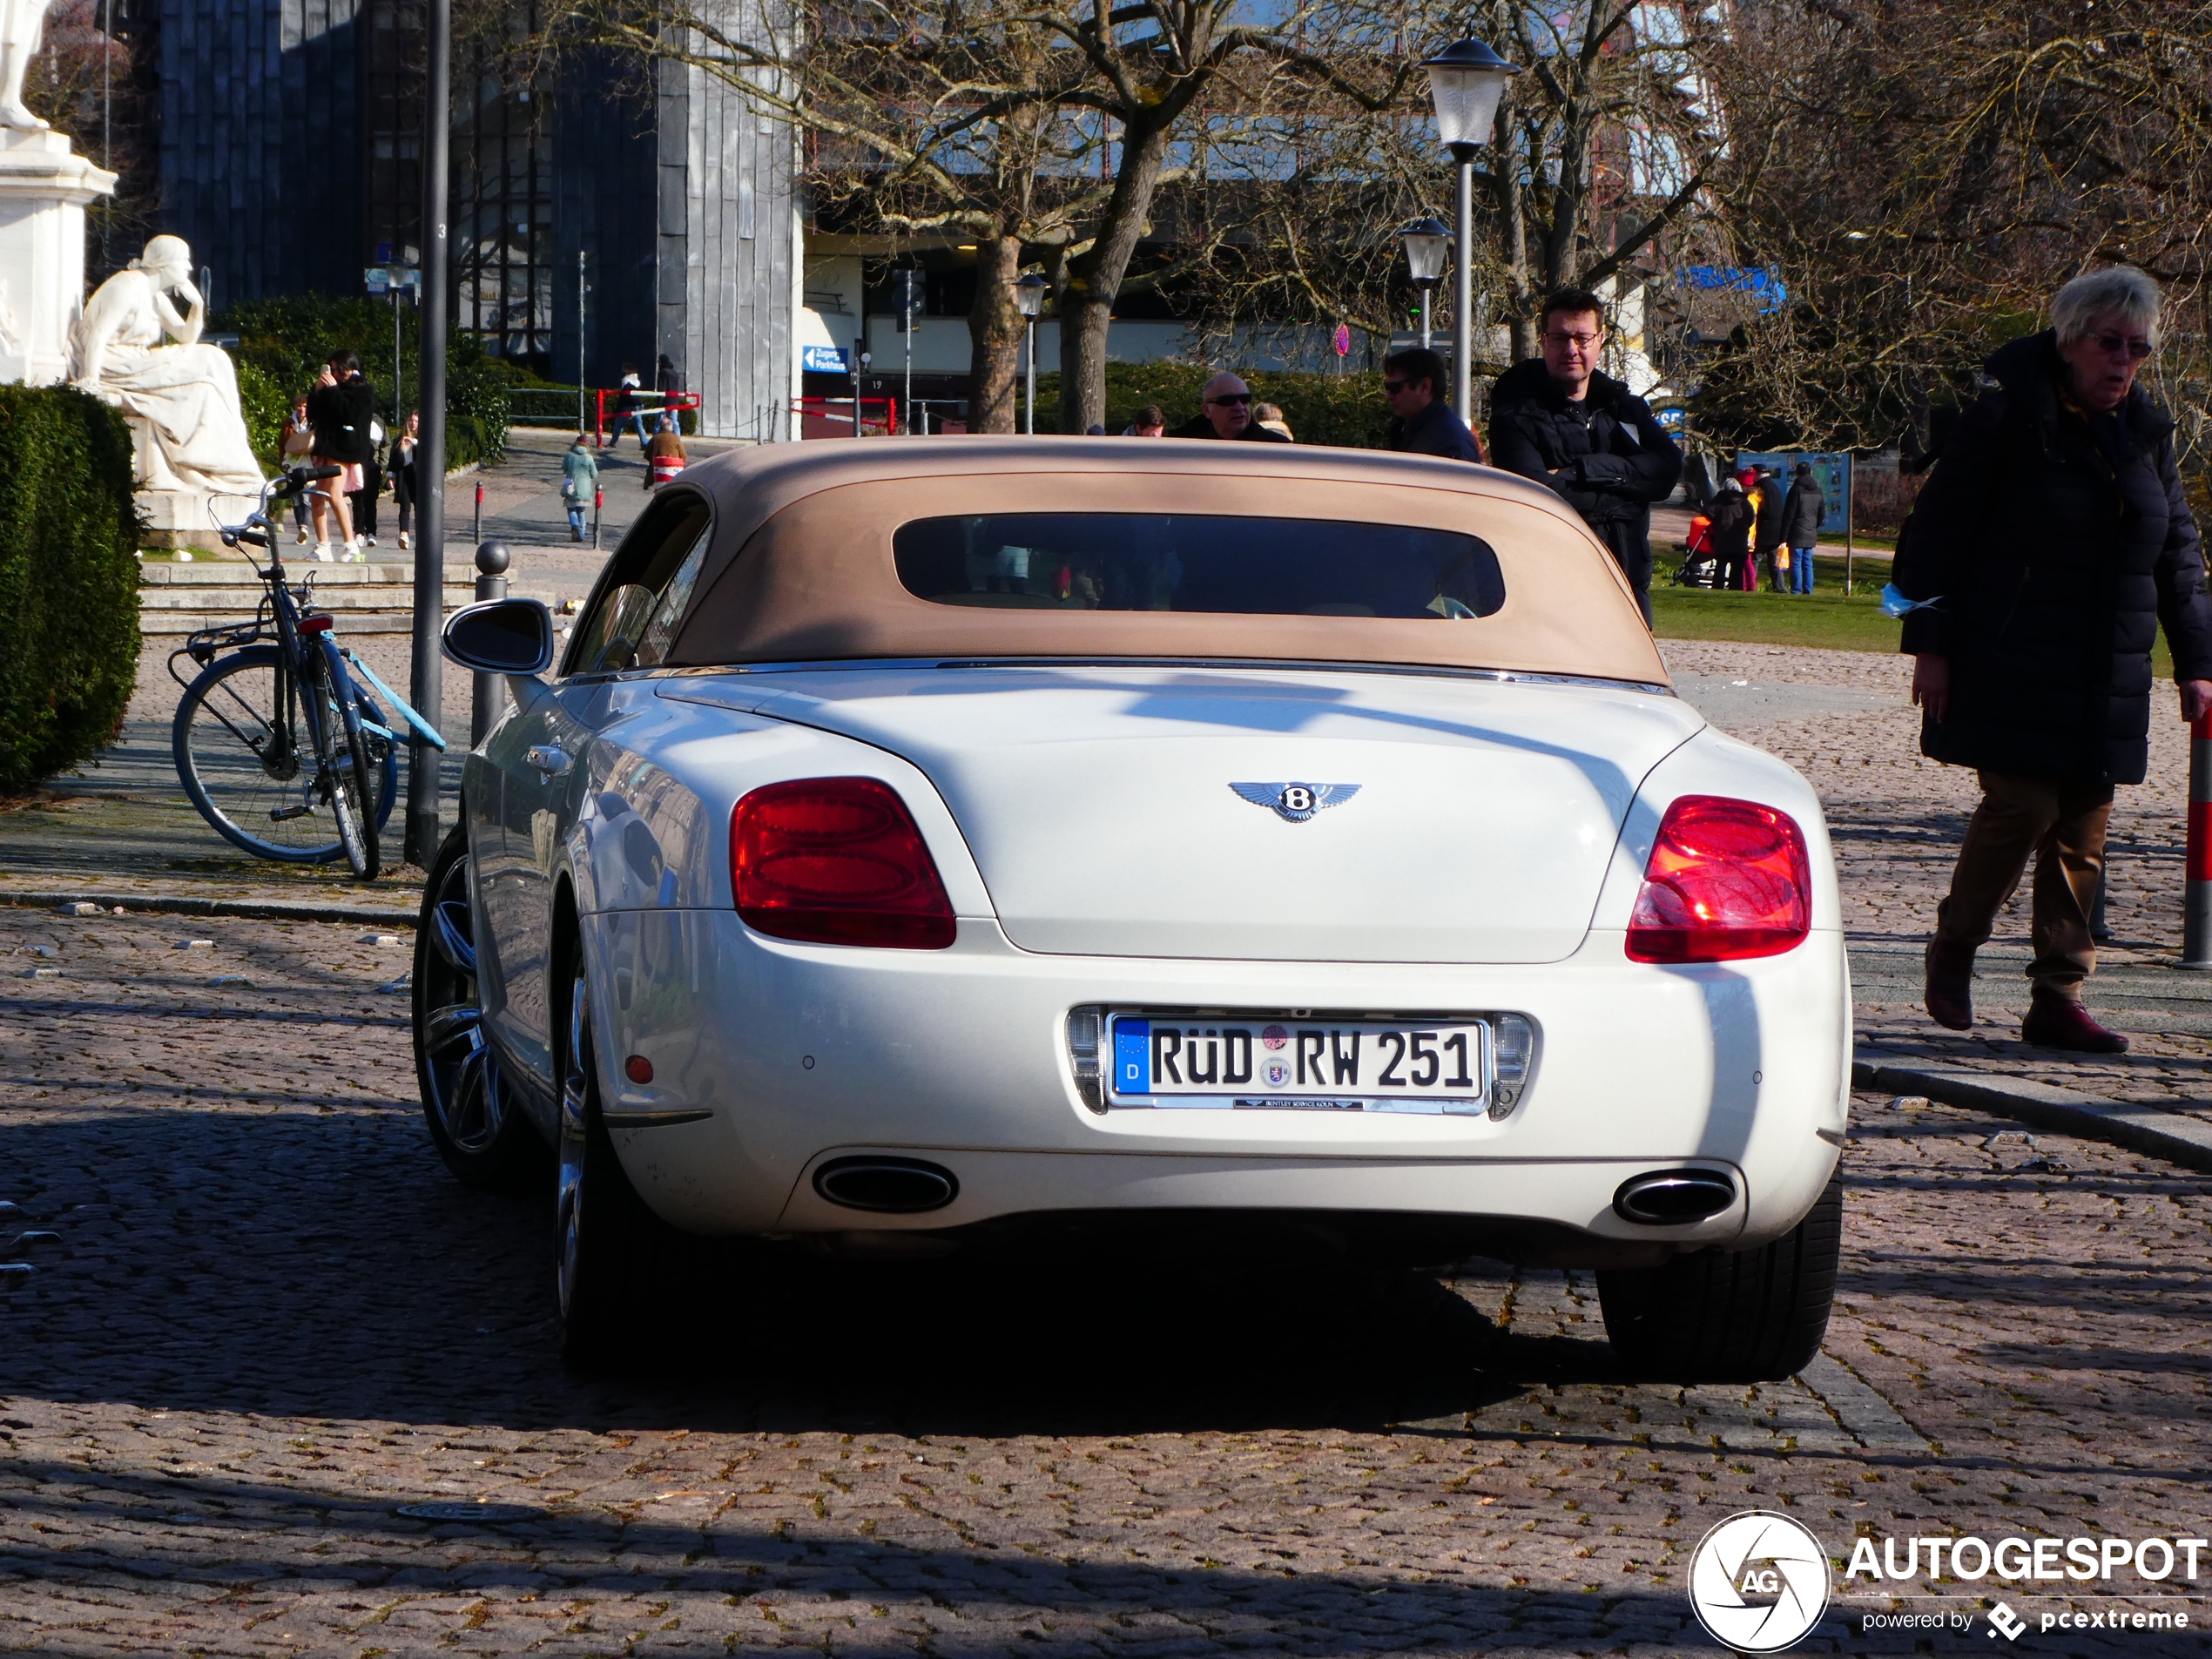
x: 44, y: 187
x: 180, y: 518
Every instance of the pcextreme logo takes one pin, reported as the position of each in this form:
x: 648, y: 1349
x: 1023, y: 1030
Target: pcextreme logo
x: 1759, y: 1582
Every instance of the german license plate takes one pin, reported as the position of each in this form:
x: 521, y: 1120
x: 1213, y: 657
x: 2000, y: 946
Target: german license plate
x: 1288, y: 1063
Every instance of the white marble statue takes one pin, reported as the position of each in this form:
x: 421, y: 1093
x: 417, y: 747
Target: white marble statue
x: 182, y: 398
x: 22, y: 21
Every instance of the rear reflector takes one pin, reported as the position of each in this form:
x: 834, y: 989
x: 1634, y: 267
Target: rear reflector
x: 1726, y: 880
x: 837, y: 861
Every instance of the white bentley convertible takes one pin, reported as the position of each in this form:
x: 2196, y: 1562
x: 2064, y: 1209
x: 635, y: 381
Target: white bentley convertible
x: 918, y: 840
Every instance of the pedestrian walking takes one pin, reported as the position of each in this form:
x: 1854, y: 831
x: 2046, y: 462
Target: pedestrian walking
x: 1766, y: 531
x: 295, y: 449
x: 339, y: 410
x: 579, y: 482
x: 1422, y: 422
x: 1802, y: 510
x: 1227, y: 413
x: 1558, y: 421
x: 1732, y: 512
x: 665, y: 455
x: 400, y: 464
x: 363, y: 501
x: 667, y: 379
x: 629, y: 407
x: 1150, y: 421
x: 2048, y: 546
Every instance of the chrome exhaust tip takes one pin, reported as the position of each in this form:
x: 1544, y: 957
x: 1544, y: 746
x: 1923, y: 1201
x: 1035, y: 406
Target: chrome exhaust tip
x: 1669, y: 1197
x: 887, y: 1186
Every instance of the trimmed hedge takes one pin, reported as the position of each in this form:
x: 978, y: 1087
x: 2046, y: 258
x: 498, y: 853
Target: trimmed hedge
x: 284, y: 342
x: 68, y: 580
x: 1346, y: 410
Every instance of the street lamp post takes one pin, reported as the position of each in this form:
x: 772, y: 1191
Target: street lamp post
x: 1424, y: 241
x: 1029, y: 298
x: 1466, y: 80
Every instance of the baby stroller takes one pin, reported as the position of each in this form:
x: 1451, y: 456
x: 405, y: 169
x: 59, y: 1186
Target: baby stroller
x: 1700, y: 566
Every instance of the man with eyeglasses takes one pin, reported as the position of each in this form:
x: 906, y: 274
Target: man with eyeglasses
x: 1227, y: 414
x: 1421, y: 422
x: 2049, y: 545
x: 1558, y: 421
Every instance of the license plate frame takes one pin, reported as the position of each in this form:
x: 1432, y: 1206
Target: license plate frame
x: 1314, y: 1067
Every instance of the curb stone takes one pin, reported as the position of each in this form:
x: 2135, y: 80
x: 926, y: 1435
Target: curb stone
x: 252, y: 909
x: 2141, y: 1128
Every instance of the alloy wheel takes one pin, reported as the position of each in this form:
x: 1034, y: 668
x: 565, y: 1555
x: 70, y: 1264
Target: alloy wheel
x: 464, y: 1088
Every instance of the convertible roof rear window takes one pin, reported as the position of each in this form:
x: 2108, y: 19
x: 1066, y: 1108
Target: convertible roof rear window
x: 1214, y: 564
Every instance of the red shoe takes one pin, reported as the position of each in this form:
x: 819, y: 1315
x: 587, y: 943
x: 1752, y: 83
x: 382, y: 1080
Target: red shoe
x: 2055, y: 1020
x: 1950, y: 988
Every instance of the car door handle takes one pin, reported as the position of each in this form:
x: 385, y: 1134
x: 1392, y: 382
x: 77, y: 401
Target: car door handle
x: 550, y: 761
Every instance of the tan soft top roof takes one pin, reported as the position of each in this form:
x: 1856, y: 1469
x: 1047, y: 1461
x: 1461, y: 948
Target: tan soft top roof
x: 800, y: 568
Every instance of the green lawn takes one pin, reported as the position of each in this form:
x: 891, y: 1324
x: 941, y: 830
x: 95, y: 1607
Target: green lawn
x: 1823, y: 619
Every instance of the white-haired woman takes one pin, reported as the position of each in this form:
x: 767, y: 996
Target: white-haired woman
x: 2049, y: 545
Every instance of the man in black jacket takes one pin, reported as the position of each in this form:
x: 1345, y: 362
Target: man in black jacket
x: 2048, y: 548
x: 1558, y: 421
x: 1227, y: 414
x: 1421, y: 422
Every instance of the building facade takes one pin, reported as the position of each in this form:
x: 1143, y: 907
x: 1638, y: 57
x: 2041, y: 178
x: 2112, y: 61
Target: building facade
x: 617, y: 214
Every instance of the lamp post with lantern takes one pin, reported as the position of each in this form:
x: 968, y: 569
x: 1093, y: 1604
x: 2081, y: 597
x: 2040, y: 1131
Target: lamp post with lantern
x: 1424, y: 241
x: 1466, y: 80
x: 1029, y: 298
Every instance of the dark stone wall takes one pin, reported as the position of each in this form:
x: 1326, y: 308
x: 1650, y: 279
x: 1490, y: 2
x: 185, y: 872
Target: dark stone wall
x: 260, y: 149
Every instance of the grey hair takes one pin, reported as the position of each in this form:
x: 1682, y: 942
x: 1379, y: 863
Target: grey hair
x: 2118, y: 290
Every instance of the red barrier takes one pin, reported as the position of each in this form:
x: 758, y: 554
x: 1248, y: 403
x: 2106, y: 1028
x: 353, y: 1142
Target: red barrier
x: 650, y: 404
x: 2197, y: 902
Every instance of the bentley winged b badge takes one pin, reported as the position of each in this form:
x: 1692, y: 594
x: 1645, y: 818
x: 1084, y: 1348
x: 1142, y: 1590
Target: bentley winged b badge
x: 1295, y: 803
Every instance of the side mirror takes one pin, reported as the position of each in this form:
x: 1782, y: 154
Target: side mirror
x: 501, y: 636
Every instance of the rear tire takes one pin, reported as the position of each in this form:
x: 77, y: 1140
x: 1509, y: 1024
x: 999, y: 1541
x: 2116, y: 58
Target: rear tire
x: 1730, y: 1316
x: 608, y: 1246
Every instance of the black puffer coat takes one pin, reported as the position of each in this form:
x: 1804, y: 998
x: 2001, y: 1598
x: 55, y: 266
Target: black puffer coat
x: 2056, y: 558
x: 339, y: 415
x: 1613, y: 457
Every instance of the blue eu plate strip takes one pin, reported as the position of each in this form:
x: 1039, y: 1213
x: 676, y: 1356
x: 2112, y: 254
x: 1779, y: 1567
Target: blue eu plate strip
x: 1132, y: 1056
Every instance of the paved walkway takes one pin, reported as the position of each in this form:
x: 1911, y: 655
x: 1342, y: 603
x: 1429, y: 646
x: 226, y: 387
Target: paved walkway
x: 261, y: 1329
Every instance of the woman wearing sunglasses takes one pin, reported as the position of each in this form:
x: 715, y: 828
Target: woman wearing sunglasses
x: 2048, y: 548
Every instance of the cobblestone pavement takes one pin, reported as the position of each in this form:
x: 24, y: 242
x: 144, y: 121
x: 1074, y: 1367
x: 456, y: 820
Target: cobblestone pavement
x: 1841, y: 719
x: 267, y: 1323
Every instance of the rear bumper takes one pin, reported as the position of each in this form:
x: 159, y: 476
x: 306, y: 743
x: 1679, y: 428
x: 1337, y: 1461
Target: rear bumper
x: 799, y: 1054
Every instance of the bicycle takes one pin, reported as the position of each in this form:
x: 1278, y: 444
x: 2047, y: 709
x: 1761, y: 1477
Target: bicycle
x: 277, y: 746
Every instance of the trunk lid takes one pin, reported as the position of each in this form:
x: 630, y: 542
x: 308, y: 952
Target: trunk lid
x: 1129, y: 812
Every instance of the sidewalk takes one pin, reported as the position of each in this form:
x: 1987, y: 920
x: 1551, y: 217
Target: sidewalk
x: 1841, y: 717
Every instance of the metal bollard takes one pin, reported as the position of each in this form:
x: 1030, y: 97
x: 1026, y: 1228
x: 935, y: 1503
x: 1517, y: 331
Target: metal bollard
x: 478, y: 534
x: 598, y: 501
x: 2197, y: 902
x: 489, y: 695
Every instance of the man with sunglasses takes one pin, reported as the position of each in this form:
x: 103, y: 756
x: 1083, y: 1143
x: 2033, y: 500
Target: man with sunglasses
x: 2048, y: 548
x: 1584, y: 434
x: 1227, y: 414
x: 1421, y: 422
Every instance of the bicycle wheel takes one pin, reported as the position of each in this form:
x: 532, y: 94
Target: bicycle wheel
x: 345, y: 780
x: 383, y: 755
x: 248, y: 761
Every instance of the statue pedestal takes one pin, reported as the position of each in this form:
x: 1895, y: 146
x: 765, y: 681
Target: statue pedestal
x: 179, y: 518
x: 44, y: 187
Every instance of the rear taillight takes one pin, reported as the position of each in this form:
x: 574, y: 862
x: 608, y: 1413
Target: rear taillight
x: 836, y: 862
x: 1726, y: 879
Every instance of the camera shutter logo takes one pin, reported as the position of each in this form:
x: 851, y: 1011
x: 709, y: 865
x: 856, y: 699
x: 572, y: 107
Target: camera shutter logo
x: 1759, y: 1582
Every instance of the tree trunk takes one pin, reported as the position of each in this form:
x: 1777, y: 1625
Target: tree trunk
x: 995, y: 337
x: 1095, y: 279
